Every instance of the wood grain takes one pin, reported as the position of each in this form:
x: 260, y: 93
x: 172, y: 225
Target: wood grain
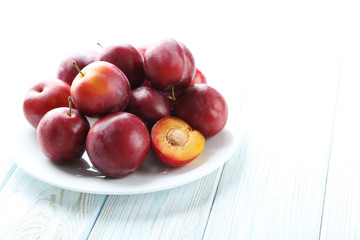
x: 341, y: 219
x: 31, y: 209
x: 276, y: 189
x: 179, y: 213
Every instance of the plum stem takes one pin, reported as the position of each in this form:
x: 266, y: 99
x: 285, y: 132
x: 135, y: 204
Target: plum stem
x: 172, y: 97
x: 69, y: 100
x: 100, y: 45
x: 77, y: 68
x: 173, y: 93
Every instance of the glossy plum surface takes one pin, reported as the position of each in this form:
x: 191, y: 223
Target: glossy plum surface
x: 128, y: 59
x: 103, y: 89
x: 149, y: 105
x: 203, y: 107
x: 169, y: 63
x: 62, y: 137
x: 43, y: 97
x: 198, y: 78
x: 66, y: 70
x: 117, y: 144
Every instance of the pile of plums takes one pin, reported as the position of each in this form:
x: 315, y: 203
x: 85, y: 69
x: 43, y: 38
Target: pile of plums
x: 143, y: 98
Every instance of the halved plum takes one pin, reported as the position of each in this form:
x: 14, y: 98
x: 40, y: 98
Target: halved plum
x: 174, y: 142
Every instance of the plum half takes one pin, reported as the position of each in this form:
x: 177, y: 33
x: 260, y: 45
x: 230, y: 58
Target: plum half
x: 174, y: 142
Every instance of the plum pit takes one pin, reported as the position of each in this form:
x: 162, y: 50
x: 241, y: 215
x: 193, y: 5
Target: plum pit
x: 177, y: 137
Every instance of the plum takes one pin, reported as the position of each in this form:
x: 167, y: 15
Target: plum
x: 203, y: 107
x: 149, y: 105
x: 62, y: 133
x: 117, y: 144
x: 169, y: 64
x: 128, y: 59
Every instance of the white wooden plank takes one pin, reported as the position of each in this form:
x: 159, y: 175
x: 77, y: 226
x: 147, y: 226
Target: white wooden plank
x: 7, y: 167
x: 179, y: 213
x: 31, y: 209
x: 276, y: 189
x: 341, y: 218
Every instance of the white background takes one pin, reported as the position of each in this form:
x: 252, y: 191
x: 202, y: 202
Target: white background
x: 293, y: 69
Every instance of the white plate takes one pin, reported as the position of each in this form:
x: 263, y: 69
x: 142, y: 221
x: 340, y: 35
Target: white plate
x: 152, y: 176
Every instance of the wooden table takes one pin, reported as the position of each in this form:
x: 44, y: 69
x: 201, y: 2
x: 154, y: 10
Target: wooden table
x: 296, y: 174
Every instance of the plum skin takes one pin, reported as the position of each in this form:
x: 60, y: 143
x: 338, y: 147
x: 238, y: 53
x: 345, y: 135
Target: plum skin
x: 43, y: 97
x: 128, y: 59
x: 168, y: 64
x: 103, y: 89
x: 66, y: 70
x: 149, y: 105
x: 203, y: 107
x: 62, y: 137
x: 198, y: 78
x: 117, y: 144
